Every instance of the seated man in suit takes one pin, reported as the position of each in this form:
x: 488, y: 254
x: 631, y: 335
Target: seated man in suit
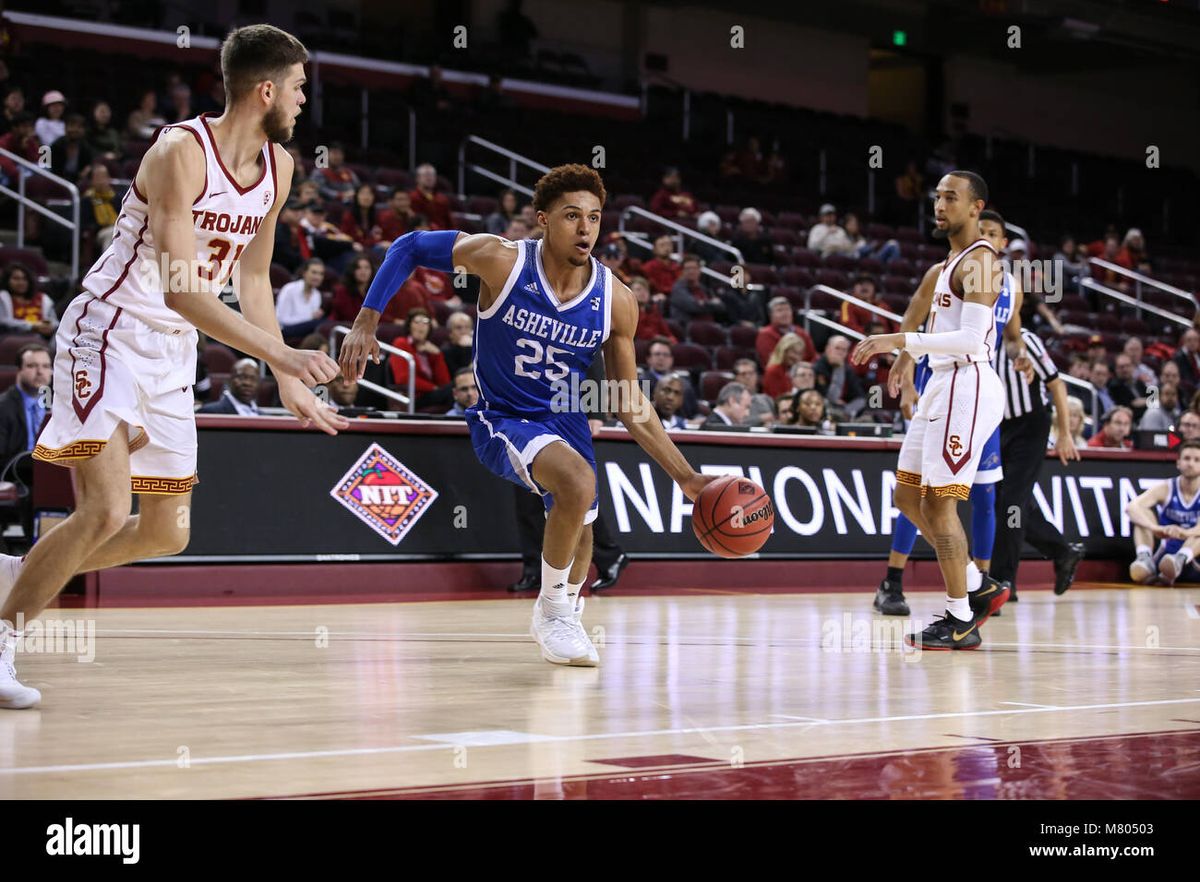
x: 22, y: 412
x: 241, y: 391
x: 732, y: 408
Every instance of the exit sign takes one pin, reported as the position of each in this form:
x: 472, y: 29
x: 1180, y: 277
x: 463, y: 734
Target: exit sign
x: 899, y: 38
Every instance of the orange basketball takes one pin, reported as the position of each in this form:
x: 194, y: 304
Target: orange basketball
x: 733, y: 517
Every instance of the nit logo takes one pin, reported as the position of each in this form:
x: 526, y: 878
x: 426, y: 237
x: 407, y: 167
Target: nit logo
x: 384, y: 494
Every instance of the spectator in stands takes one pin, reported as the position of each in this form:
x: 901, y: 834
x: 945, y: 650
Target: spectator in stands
x: 1188, y: 427
x: 668, y: 397
x: 862, y: 248
x: 428, y: 202
x: 1070, y: 266
x: 23, y: 409
x: 708, y: 223
x: 529, y: 215
x: 691, y: 300
x: 351, y: 291
x: 1126, y: 389
x: 517, y: 230
x: 1096, y: 351
x: 1116, y: 424
x: 790, y: 349
x: 662, y: 271
x: 651, y: 323
x: 1076, y: 420
x: 762, y: 408
x: 360, y: 221
x: 103, y: 140
x: 100, y: 207
x: 397, y: 218
x: 1187, y: 359
x: 144, y: 120
x: 910, y: 189
x: 1164, y: 411
x: 346, y: 394
x: 811, y: 411
x: 751, y: 239
x: 460, y: 335
x: 732, y: 408
x: 308, y: 192
x: 182, y: 107
x: 836, y: 380
x: 776, y: 167
x: 743, y: 305
x: 70, y: 155
x: 1134, y: 349
x: 660, y: 363
x: 785, y: 407
x: 336, y: 181
x: 1100, y: 377
x: 292, y: 243
x: 298, y: 306
x: 782, y: 321
x: 1080, y: 369
x: 325, y: 240
x: 14, y: 104
x: 240, y: 395
x: 671, y: 200
x: 613, y: 259
x: 492, y: 99
x: 826, y: 237
x: 803, y: 376
x: 51, y: 125
x: 1110, y: 248
x: 1133, y: 251
x: 749, y: 160
x: 23, y: 308
x: 508, y: 208
x: 22, y: 141
x: 466, y: 393
x: 1170, y: 374
x: 432, y: 378
x: 857, y: 317
x: 431, y: 94
x: 299, y: 172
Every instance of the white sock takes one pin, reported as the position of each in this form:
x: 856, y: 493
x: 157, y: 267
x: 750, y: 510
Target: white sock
x: 959, y: 607
x: 573, y: 589
x: 1143, y: 549
x: 554, y: 590
x: 974, y: 577
x: 1188, y: 554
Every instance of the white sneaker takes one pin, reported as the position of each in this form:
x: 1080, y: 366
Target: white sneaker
x: 563, y: 640
x: 10, y: 568
x: 1142, y: 569
x: 1171, y: 567
x: 13, y: 695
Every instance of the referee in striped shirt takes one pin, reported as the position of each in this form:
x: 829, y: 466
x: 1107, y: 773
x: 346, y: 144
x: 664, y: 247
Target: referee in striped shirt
x: 1024, y: 437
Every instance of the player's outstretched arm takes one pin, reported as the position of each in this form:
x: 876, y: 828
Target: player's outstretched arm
x: 489, y: 257
x: 172, y: 177
x: 634, y: 410
x: 258, y: 306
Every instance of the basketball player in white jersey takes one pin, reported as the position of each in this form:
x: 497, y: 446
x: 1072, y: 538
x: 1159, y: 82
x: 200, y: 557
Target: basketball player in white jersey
x: 204, y: 202
x: 961, y: 406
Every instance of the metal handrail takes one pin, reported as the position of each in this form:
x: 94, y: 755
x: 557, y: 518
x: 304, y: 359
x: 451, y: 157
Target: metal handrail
x: 680, y: 229
x: 1138, y: 280
x: 1137, y: 304
x: 513, y: 160
x: 849, y: 298
x: 27, y: 202
x: 1089, y: 388
x: 411, y: 398
x: 837, y: 326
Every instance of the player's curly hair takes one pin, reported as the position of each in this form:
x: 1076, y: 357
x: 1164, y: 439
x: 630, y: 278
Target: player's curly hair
x: 571, y: 178
x: 255, y: 53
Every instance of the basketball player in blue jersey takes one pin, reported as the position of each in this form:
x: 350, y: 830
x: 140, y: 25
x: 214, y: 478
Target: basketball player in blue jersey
x: 1175, y: 523
x: 546, y: 307
x: 889, y: 597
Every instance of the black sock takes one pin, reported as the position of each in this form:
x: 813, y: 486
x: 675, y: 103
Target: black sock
x: 895, y: 575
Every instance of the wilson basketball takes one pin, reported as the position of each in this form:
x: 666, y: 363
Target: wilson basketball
x: 733, y: 517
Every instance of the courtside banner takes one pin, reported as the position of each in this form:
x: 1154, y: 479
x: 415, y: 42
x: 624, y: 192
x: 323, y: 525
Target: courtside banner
x: 391, y: 491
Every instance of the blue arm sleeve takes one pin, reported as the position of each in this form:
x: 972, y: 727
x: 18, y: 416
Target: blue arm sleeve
x: 433, y: 249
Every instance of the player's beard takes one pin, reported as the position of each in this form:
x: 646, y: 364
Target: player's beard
x: 277, y: 126
x: 939, y: 233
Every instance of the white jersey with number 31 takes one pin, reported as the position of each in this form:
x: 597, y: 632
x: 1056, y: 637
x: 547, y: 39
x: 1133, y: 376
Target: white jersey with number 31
x: 225, y: 218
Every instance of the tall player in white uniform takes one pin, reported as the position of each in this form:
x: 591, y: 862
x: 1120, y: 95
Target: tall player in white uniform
x: 203, y: 203
x: 961, y: 406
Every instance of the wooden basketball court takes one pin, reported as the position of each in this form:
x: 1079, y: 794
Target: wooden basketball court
x: 1092, y: 695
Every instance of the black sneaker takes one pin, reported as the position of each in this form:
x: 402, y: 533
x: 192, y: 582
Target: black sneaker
x: 946, y: 633
x: 986, y: 602
x: 1065, y: 567
x: 889, y: 599
x: 531, y: 580
x: 609, y: 575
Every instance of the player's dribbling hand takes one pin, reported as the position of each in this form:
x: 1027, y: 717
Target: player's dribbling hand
x: 310, y: 410
x: 695, y: 484
x: 311, y: 367
x: 359, y: 347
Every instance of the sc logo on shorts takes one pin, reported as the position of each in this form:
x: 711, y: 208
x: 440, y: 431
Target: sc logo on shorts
x: 83, y: 386
x: 954, y: 445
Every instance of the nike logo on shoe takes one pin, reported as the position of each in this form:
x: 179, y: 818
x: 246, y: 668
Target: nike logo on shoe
x: 957, y: 636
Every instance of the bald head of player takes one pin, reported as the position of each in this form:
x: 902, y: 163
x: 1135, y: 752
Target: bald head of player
x: 568, y: 201
x: 263, y: 70
x: 960, y: 197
